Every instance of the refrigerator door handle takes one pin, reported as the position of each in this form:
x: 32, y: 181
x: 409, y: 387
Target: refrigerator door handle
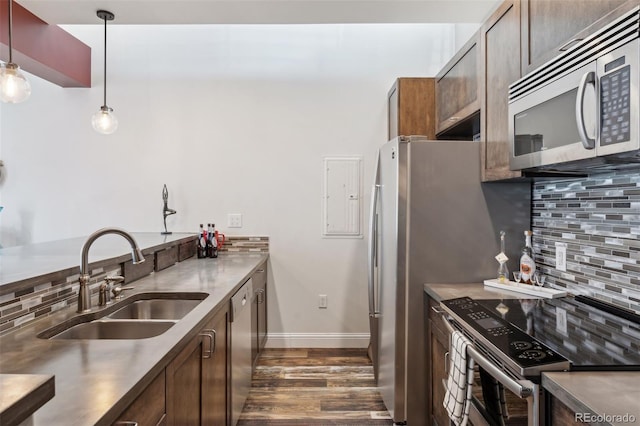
x: 373, y: 250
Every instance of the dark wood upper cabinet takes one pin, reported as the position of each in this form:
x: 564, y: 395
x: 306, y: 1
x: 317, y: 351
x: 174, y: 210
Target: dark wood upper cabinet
x: 548, y: 25
x: 457, y: 87
x: 411, y: 108
x: 501, y: 58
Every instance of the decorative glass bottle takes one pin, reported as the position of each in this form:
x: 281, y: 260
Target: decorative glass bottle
x: 503, y: 271
x: 527, y: 264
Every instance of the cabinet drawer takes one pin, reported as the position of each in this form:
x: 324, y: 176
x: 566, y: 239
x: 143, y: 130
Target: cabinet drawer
x: 149, y: 408
x: 186, y: 250
x: 437, y: 323
x: 259, y: 277
x: 167, y: 257
x: 133, y: 272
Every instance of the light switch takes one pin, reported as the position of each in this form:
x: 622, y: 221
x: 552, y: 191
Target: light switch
x: 322, y: 301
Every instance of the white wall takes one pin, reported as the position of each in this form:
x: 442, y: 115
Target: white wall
x: 234, y: 119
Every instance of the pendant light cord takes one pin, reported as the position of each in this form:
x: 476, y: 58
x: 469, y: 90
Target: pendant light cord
x: 105, y: 62
x: 10, y: 31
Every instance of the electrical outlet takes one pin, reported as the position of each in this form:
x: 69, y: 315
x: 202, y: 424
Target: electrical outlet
x: 234, y: 220
x: 561, y: 320
x: 561, y: 256
x: 322, y: 301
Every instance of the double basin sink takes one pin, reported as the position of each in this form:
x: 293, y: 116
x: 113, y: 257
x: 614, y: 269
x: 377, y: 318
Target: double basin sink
x: 139, y: 316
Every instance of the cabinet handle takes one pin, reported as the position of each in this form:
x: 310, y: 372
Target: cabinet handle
x: 126, y: 423
x: 260, y: 270
x: 446, y: 363
x: 568, y: 44
x: 437, y: 310
x: 260, y: 296
x: 454, y: 118
x: 210, y: 334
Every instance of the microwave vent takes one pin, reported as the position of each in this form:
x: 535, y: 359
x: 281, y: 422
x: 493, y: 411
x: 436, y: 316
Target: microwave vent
x: 618, y: 33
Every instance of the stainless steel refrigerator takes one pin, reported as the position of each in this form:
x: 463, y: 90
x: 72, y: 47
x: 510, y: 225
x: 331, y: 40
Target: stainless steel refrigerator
x: 431, y: 221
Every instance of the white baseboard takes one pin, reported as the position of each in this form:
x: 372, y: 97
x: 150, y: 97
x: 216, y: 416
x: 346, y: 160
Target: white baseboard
x: 317, y: 340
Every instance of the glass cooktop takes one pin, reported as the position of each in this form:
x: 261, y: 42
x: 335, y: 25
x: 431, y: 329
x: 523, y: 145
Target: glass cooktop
x: 588, y: 337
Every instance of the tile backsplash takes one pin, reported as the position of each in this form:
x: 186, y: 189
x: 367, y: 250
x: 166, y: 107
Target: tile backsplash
x: 24, y: 306
x: 599, y: 219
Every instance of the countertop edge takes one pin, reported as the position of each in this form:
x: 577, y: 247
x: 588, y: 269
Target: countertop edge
x: 567, y: 398
x: 22, y: 408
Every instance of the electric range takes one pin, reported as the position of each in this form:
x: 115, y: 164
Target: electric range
x: 528, y: 336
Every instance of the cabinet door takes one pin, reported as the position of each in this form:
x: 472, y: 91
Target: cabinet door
x: 149, y: 408
x: 261, y: 282
x: 501, y: 52
x: 561, y: 415
x: 457, y: 87
x: 183, y: 386
x: 215, y: 391
x: 259, y: 312
x: 411, y: 107
x: 547, y: 25
x: 438, y: 374
x: 438, y: 346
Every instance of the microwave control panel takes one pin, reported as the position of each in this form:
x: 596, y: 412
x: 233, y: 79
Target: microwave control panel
x: 615, y: 93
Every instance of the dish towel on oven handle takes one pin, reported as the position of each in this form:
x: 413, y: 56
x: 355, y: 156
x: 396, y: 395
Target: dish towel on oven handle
x: 457, y: 398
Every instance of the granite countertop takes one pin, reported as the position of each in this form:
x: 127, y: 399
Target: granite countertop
x: 22, y: 394
x: 97, y: 379
x: 599, y: 393
x: 610, y: 397
x: 24, y: 263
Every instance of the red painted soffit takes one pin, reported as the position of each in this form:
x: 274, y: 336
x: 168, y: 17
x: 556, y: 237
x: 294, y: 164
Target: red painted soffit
x: 44, y: 50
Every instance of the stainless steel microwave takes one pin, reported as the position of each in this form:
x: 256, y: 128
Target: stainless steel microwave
x: 580, y: 110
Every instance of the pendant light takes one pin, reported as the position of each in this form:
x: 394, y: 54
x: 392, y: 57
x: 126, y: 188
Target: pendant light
x: 104, y: 121
x: 14, y: 87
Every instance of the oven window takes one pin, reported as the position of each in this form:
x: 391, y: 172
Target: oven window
x: 496, y: 404
x: 550, y: 124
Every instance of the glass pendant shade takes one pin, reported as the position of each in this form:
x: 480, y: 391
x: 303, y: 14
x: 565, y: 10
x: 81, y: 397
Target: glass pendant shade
x: 14, y: 87
x: 104, y: 121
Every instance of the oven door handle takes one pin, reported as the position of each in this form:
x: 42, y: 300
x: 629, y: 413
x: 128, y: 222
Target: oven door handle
x: 522, y: 388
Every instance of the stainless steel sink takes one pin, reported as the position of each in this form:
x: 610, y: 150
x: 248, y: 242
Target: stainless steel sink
x: 139, y: 316
x: 172, y: 309
x: 116, y: 330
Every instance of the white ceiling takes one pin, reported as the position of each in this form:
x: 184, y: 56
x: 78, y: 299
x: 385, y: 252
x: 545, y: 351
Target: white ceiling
x: 262, y: 11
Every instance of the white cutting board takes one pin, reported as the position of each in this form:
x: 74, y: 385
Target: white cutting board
x: 549, y: 293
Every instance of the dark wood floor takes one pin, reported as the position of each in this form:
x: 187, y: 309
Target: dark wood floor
x: 314, y: 387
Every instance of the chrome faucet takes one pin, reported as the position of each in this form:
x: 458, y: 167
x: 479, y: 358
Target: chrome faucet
x: 84, y: 295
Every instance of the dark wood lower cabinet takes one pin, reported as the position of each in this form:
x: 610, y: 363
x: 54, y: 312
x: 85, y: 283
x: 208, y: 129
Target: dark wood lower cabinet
x: 149, y: 408
x: 437, y: 340
x: 215, y: 389
x: 183, y: 386
x: 561, y: 415
x: 259, y: 312
x: 438, y: 373
x: 194, y: 388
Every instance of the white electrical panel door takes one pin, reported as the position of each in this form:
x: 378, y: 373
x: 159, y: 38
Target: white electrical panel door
x: 342, y: 212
